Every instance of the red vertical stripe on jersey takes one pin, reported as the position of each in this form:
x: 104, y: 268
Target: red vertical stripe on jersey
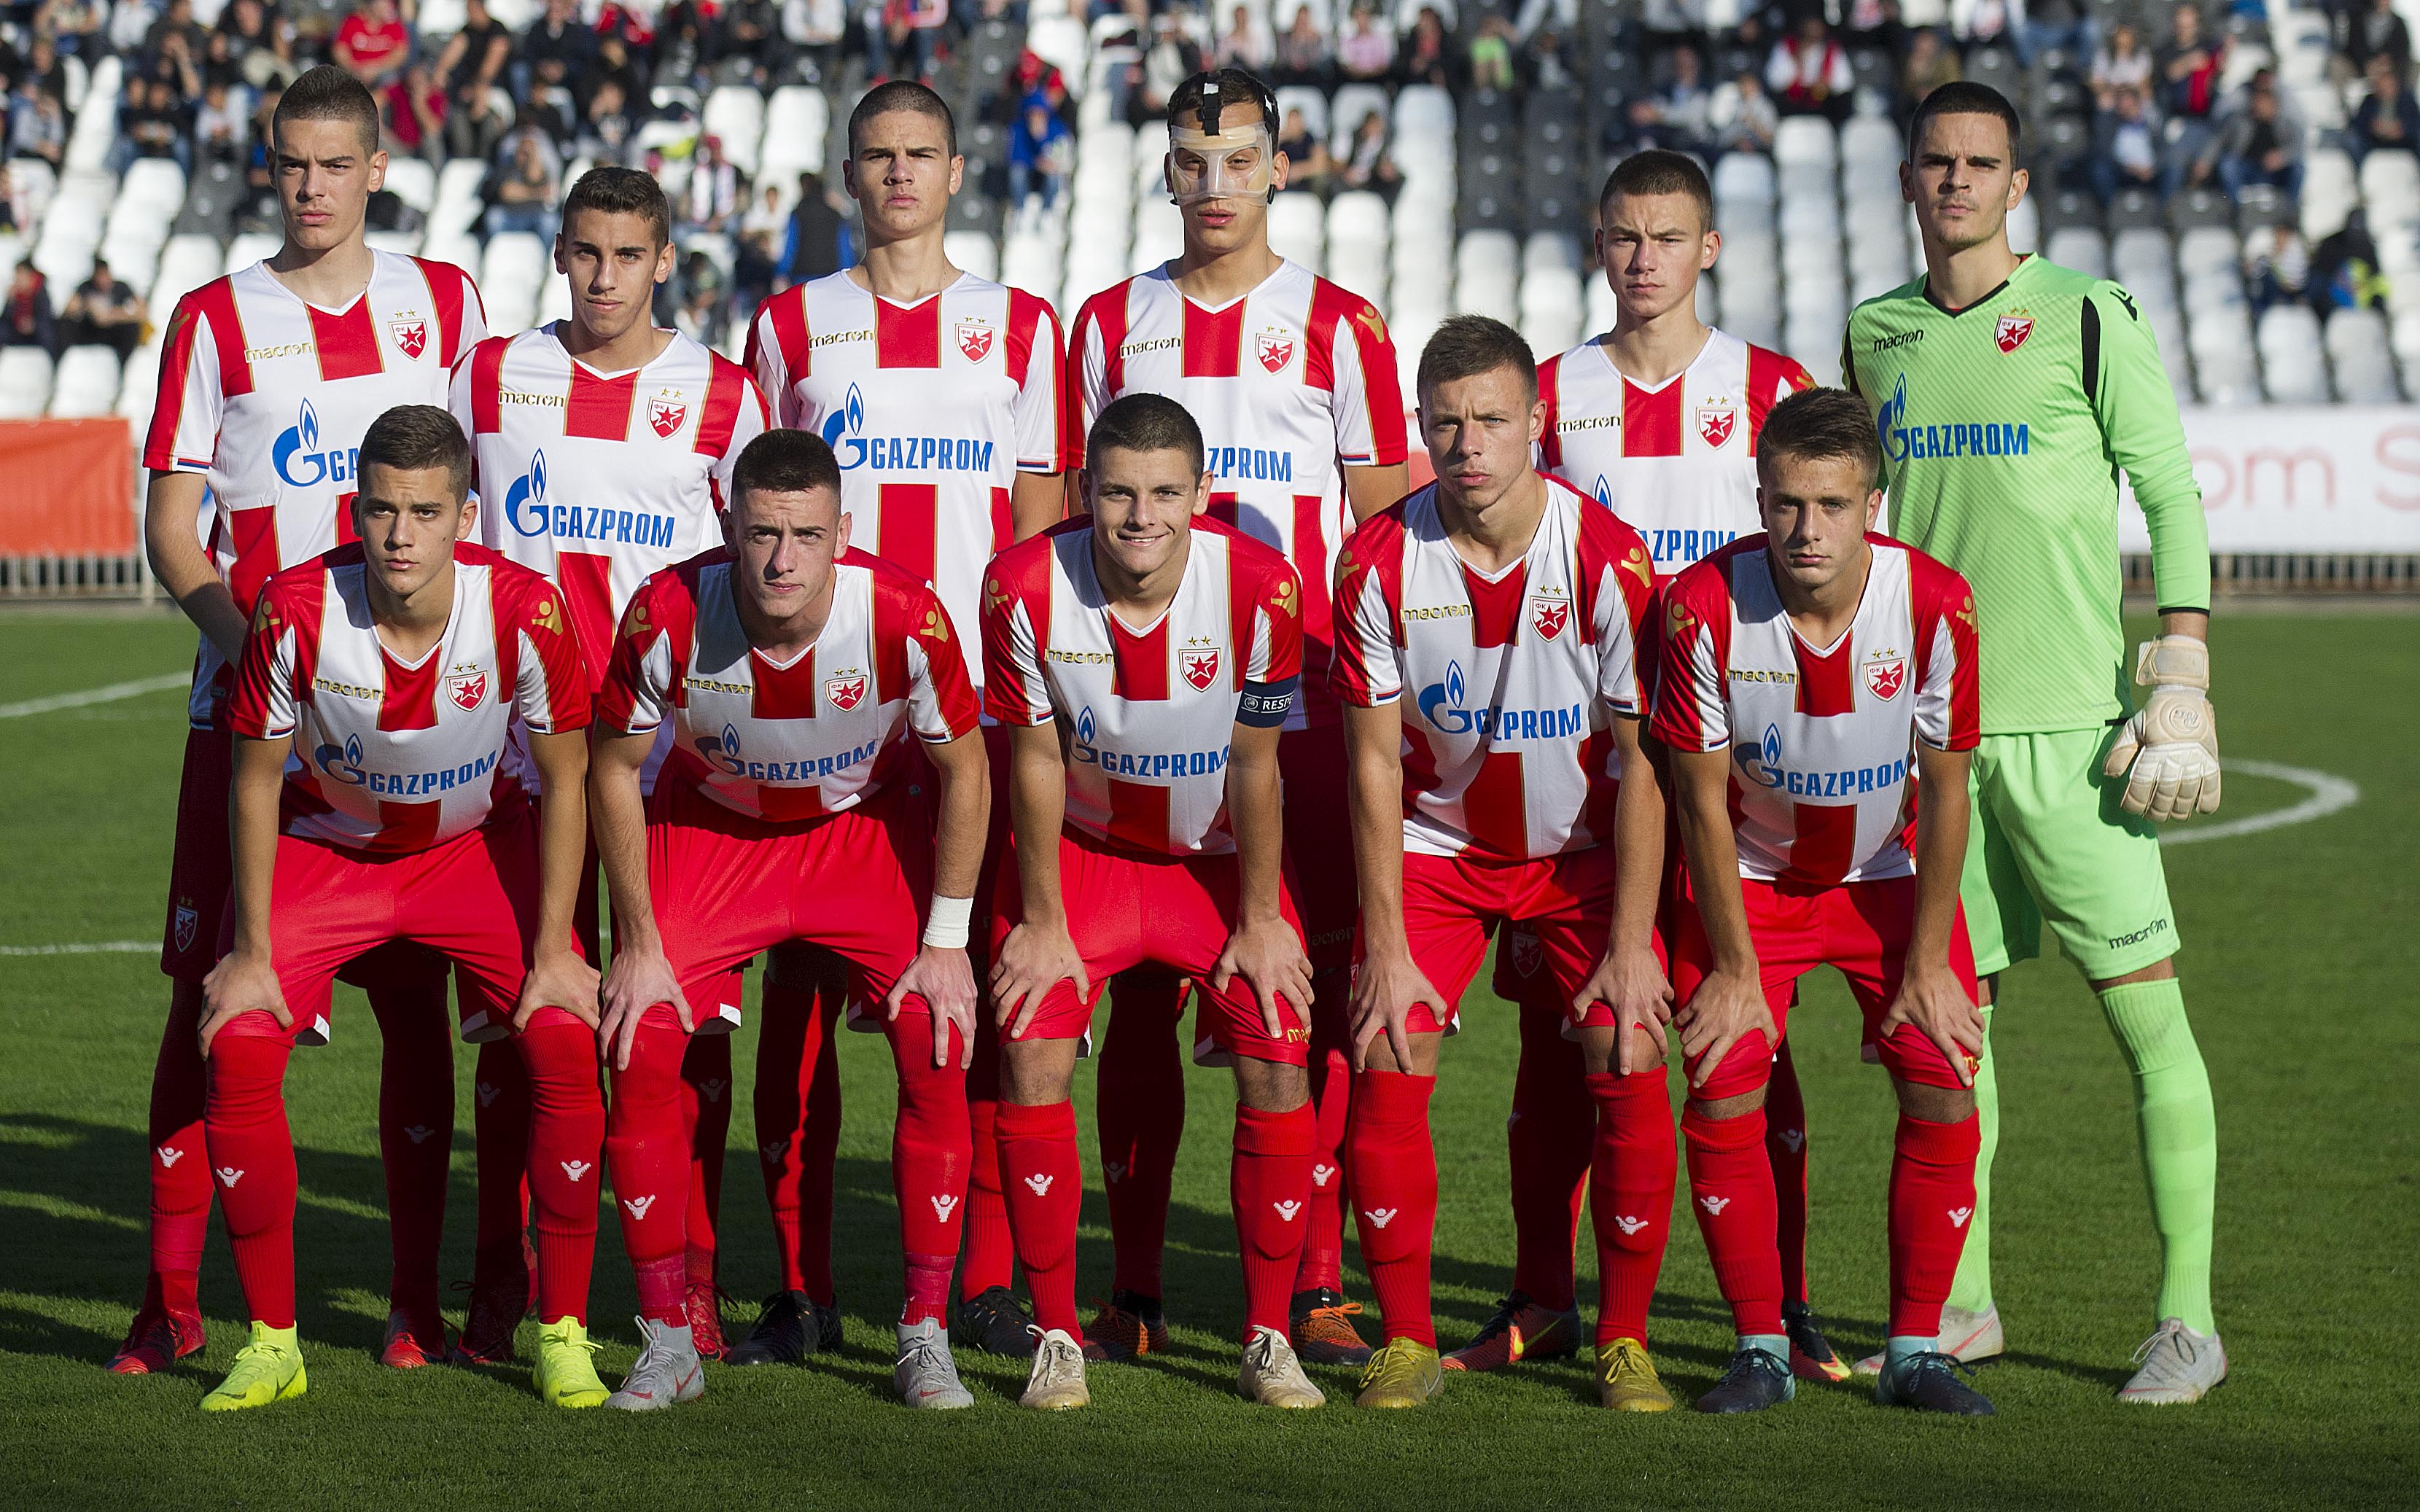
x: 725, y: 392
x: 911, y: 520
x: 1143, y: 668
x: 1103, y: 315
x: 1651, y: 420
x: 444, y: 283
x: 909, y: 337
x: 1826, y: 842
x: 587, y: 584
x: 1825, y: 684
x: 1003, y: 522
x: 1138, y: 816
x: 1310, y: 565
x: 789, y: 316
x: 1495, y: 606
x: 308, y: 606
x: 406, y: 828
x: 1214, y: 339
x: 411, y: 693
x: 176, y: 369
x: 897, y: 617
x: 1025, y: 316
x: 216, y: 300
x: 1770, y: 376
x: 252, y: 534
x: 598, y: 407
x: 346, y: 344
x: 789, y: 805
x: 487, y: 384
x: 1494, y: 807
x: 784, y: 692
x: 1550, y: 444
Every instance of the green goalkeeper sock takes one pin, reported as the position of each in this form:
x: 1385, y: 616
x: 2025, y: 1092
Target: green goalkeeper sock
x: 1972, y: 1287
x: 2172, y: 1106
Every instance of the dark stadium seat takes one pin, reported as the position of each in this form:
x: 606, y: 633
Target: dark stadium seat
x: 2199, y: 206
x: 2069, y: 206
x: 2134, y: 208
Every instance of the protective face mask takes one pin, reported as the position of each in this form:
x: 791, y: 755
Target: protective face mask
x: 1198, y: 157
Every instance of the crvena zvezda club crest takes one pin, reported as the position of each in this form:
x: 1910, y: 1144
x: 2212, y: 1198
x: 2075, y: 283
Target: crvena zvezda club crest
x: 845, y: 691
x: 1885, y: 677
x: 1201, y: 668
x: 1715, y: 425
x: 666, y: 411
x: 1276, y: 348
x: 410, y: 334
x: 1549, y: 616
x: 2012, y: 331
x: 974, y: 340
x: 466, y: 689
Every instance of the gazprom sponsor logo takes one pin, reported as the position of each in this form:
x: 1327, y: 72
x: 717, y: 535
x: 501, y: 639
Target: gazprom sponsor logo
x: 1685, y: 546
x: 1764, y: 767
x: 344, y: 764
x: 1159, y: 765
x: 723, y: 754
x: 1903, y: 440
x: 1251, y: 464
x: 530, y: 513
x: 854, y: 447
x: 299, y: 460
x: 1441, y: 705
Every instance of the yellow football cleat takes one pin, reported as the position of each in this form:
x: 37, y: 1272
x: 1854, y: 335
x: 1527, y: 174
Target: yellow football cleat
x: 1626, y: 1380
x: 566, y: 1372
x: 1401, y: 1374
x: 268, y: 1370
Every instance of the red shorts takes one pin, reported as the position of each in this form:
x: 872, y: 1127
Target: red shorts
x: 1451, y: 903
x: 872, y: 1017
x: 727, y: 887
x: 1123, y: 910
x: 1860, y: 927
x: 1319, y: 847
x: 473, y: 899
x: 200, y: 873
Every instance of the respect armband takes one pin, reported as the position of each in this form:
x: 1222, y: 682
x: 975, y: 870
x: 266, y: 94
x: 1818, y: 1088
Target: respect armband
x: 1267, y: 704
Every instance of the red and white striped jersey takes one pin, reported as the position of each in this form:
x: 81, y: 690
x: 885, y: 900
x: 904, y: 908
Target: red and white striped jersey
x: 1147, y: 718
x: 795, y: 740
x: 1677, y: 461
x: 267, y: 397
x: 1516, y: 679
x: 390, y: 756
x: 601, y: 480
x: 932, y: 408
x: 1291, y: 383
x: 1821, y: 739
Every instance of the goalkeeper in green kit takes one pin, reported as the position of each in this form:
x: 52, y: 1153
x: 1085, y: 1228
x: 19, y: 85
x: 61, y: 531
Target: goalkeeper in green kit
x: 2008, y: 394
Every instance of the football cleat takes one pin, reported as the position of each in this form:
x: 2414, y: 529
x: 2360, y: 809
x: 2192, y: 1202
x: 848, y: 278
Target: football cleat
x: 791, y: 1326
x: 1928, y: 1382
x: 157, y: 1339
x: 1129, y: 1326
x: 1323, y: 1328
x: 705, y: 1320
x: 1521, y: 1330
x: 566, y: 1372
x: 2178, y: 1366
x: 1272, y: 1375
x: 1755, y: 1380
x: 1403, y: 1373
x: 1056, y: 1382
x: 1812, y: 1356
x: 268, y: 1370
x: 995, y: 1322
x: 500, y: 1297
x: 1969, y: 1338
x: 667, y: 1371
x: 925, y: 1374
x: 412, y: 1342
x: 1626, y: 1380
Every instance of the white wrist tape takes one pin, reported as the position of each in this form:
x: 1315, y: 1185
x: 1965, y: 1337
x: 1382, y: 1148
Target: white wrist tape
x: 946, y: 927
x: 2173, y: 661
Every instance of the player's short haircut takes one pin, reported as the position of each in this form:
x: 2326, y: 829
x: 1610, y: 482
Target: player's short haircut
x: 1963, y: 98
x: 1656, y: 171
x: 1234, y: 85
x: 618, y: 191
x: 785, y: 461
x: 412, y: 437
x: 1822, y: 424
x: 328, y: 93
x: 909, y: 96
x: 1465, y: 346
x: 1147, y: 423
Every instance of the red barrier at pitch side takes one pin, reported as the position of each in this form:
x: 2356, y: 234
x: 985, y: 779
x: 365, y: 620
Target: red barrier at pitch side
x: 65, y: 486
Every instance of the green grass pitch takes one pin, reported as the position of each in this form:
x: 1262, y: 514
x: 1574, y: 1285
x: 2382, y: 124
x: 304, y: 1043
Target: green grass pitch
x: 2299, y: 972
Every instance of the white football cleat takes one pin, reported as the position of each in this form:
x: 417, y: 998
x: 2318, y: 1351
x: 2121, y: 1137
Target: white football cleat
x: 1272, y: 1375
x: 667, y: 1371
x: 925, y: 1374
x: 2179, y: 1366
x: 1056, y: 1382
x: 1969, y: 1338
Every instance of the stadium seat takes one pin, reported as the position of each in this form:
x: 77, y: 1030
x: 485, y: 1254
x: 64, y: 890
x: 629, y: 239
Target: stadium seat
x: 1485, y: 279
x: 2390, y: 189
x: 2359, y: 358
x: 2079, y: 247
x: 1743, y: 178
x: 2142, y: 259
x: 24, y: 382
x: 1805, y: 143
x: 796, y: 120
x: 2291, y: 369
x: 735, y: 115
x: 85, y: 383
x: 1552, y: 308
x: 1298, y: 228
x: 138, y: 385
x: 2207, y: 249
x: 1345, y: 111
x: 413, y: 181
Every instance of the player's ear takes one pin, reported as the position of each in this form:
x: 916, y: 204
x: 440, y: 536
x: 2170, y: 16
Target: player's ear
x: 1907, y: 182
x: 1280, y: 166
x: 957, y: 171
x: 840, y: 537
x: 664, y: 258
x: 1202, y: 494
x: 1537, y: 419
x: 2018, y: 183
x: 469, y: 522
x: 377, y: 171
x: 1712, y: 249
x: 1873, y: 507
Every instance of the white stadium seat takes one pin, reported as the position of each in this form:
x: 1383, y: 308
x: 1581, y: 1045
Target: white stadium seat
x: 24, y: 382
x: 85, y: 383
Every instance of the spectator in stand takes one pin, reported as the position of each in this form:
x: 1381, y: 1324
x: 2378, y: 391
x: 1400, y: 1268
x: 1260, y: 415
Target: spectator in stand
x: 1302, y: 51
x: 1366, y: 52
x: 80, y: 27
x: 42, y: 68
x: 1491, y: 54
x: 1040, y: 151
x: 2064, y: 26
x: 1170, y: 59
x: 259, y: 211
x: 748, y: 41
x: 222, y: 131
x: 251, y: 45
x: 1367, y: 166
x: 1428, y: 56
x: 1245, y: 43
x: 909, y: 35
x: 1307, y: 165
x: 373, y: 43
x: 2188, y: 70
x: 1744, y: 116
x: 521, y: 187
x: 702, y: 313
x: 177, y: 21
x: 1988, y: 23
x: 557, y: 52
x: 1929, y: 64
x: 680, y: 43
x: 9, y: 216
x: 413, y: 110
x: 104, y: 312
x: 813, y: 30
x: 2374, y: 30
x: 1809, y: 74
x: 813, y: 246
x: 2256, y: 145
x: 157, y: 125
x: 2122, y: 63
x: 38, y: 124
x: 476, y: 127
x: 712, y: 195
x: 2276, y: 267
x: 473, y: 58
x: 615, y: 61
x: 1545, y: 62
x: 26, y: 320
x: 2387, y: 117
x: 2127, y: 152
x: 606, y: 131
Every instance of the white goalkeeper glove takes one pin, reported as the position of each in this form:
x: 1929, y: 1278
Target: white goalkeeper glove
x: 2168, y: 751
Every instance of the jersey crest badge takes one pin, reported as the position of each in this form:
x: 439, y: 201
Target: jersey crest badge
x: 1885, y: 674
x: 1201, y: 667
x: 1715, y: 424
x: 974, y: 340
x: 2014, y: 330
x: 189, y: 921
x: 1528, y: 954
x: 1275, y: 347
x: 666, y: 411
x: 410, y: 334
x: 1548, y: 616
x: 466, y: 688
x: 846, y: 691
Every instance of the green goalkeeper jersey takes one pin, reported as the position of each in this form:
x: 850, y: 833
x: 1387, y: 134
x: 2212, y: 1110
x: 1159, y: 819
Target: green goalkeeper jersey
x: 2003, y: 426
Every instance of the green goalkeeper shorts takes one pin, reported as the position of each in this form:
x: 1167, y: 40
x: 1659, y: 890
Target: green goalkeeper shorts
x: 2049, y: 843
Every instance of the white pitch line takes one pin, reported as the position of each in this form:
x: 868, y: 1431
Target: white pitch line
x: 110, y: 694
x: 102, y: 948
x: 2328, y: 794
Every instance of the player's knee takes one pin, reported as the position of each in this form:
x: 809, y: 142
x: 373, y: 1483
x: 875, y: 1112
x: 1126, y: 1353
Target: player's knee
x: 2163, y: 969
x: 1932, y: 1103
x: 1036, y: 1072
x: 1271, y: 1086
x: 1720, y: 1108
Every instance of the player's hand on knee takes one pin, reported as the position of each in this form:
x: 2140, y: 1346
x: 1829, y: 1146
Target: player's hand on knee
x: 558, y: 979
x: 1933, y: 999
x: 2168, y: 751
x: 1384, y: 992
x: 1632, y: 985
x: 1725, y: 1009
x: 1269, y: 955
x: 945, y: 980
x: 1034, y: 960
x: 243, y: 981
x: 637, y: 982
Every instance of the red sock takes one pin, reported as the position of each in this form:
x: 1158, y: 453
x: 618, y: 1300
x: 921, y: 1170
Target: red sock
x: 1395, y: 1193
x: 251, y: 1154
x: 797, y: 1123
x: 1331, y: 1100
x: 1631, y: 1172
x: 1139, y: 1112
x: 1785, y: 1146
x: 991, y: 1258
x: 1548, y: 1138
x: 1731, y: 1184
x: 566, y: 1140
x: 1269, y: 1187
x: 500, y: 1123
x: 706, y: 1113
x: 647, y: 1153
x: 1045, y: 1192
x: 930, y: 1149
x: 1932, y: 1196
x: 416, y: 1121
x: 180, y: 1160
